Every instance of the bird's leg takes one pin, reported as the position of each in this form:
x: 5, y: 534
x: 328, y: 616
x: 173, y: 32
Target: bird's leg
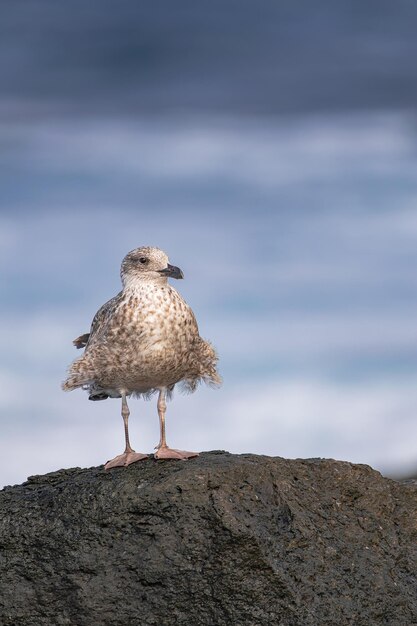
x: 125, y: 415
x: 162, y: 407
x: 129, y: 455
x: 163, y: 451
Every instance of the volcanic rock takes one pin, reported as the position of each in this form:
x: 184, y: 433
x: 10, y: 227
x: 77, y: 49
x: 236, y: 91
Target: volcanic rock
x: 220, y: 540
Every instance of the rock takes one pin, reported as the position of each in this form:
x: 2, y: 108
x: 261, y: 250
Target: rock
x: 218, y: 540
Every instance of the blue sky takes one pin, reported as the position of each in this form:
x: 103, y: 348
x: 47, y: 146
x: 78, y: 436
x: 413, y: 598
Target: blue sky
x: 300, y: 272
x: 275, y: 160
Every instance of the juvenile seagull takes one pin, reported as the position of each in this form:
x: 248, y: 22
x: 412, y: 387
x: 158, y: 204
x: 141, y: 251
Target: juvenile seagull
x: 142, y: 341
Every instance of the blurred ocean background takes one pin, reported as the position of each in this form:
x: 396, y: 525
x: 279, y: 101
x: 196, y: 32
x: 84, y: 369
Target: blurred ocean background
x: 271, y: 149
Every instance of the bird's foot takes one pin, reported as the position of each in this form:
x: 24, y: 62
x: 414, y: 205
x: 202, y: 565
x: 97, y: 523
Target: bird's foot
x: 125, y: 459
x: 164, y: 452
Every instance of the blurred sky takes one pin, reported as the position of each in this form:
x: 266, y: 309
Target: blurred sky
x: 271, y: 149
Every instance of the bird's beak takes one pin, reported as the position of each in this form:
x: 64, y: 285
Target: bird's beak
x: 171, y: 272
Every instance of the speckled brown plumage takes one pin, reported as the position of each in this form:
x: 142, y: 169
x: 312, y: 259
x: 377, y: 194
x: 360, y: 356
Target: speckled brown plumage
x: 143, y: 340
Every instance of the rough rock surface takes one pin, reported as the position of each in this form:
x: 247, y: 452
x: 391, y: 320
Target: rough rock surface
x: 217, y: 540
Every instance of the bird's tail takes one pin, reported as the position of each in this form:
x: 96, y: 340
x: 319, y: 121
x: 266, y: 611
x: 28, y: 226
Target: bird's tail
x: 70, y: 384
x: 79, y: 375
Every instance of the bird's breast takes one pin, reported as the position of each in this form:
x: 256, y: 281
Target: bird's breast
x: 154, y: 319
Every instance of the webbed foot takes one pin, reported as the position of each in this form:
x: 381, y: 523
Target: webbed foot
x: 170, y: 453
x: 125, y: 459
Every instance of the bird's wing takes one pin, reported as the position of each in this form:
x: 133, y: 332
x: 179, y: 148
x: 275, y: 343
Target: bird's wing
x: 97, y: 323
x: 81, y: 341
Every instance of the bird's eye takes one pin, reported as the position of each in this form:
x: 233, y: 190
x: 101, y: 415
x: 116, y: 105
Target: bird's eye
x: 143, y: 260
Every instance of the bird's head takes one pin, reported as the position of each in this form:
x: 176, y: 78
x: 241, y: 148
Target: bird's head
x: 147, y: 264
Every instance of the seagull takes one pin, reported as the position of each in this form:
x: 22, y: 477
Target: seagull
x: 143, y: 341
